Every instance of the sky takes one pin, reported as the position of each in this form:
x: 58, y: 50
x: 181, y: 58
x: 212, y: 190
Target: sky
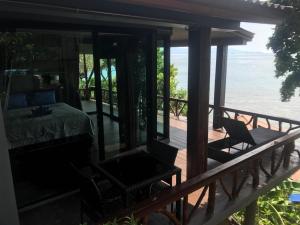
x: 262, y: 33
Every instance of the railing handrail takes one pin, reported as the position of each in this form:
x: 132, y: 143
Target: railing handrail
x: 264, y: 116
x: 223, y: 108
x: 202, y: 180
x: 244, y: 112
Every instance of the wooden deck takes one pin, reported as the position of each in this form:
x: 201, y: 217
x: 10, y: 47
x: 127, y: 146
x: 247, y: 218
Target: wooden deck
x: 178, y: 133
x: 178, y: 128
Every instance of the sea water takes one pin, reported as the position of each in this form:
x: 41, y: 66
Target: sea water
x: 251, y: 83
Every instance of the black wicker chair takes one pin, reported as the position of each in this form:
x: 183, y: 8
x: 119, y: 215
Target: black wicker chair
x: 167, y: 154
x: 99, y: 198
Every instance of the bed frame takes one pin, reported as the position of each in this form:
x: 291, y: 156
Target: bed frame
x: 76, y: 148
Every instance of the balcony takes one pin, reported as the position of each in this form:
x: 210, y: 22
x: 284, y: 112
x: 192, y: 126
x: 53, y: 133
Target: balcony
x: 225, y: 188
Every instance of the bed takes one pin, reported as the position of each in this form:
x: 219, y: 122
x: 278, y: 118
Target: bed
x: 65, y: 121
x: 42, y: 147
x: 66, y: 132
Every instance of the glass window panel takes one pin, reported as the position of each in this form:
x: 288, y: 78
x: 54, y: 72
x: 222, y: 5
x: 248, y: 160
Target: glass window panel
x: 160, y: 88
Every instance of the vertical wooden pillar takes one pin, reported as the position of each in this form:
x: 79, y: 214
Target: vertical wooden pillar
x: 151, y: 80
x: 250, y: 214
x: 198, y: 99
x: 167, y: 62
x: 110, y: 89
x: 220, y: 84
x: 98, y: 92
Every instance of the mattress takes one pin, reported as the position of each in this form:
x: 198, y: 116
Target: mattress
x: 65, y: 121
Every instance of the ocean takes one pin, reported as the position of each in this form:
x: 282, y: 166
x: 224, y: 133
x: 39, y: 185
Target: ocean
x: 251, y: 83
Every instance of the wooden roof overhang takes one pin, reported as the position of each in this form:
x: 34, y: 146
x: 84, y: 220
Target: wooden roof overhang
x: 217, y: 14
x: 240, y: 36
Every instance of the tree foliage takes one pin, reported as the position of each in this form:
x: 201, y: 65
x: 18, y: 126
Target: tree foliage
x: 275, y: 207
x: 175, y: 92
x: 285, y: 43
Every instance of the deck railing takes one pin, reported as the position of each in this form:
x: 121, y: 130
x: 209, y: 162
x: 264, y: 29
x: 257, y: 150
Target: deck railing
x: 105, y: 95
x: 255, y: 120
x: 237, y: 171
x: 178, y: 107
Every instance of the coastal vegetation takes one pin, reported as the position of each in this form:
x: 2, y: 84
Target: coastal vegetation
x: 87, y: 78
x: 285, y: 43
x: 275, y: 207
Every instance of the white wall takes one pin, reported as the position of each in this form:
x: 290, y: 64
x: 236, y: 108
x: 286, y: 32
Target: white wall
x: 8, y: 208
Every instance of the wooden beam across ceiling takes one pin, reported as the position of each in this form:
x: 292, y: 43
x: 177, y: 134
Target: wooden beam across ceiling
x: 95, y: 11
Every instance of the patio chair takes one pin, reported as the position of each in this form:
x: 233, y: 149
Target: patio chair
x: 167, y: 154
x: 163, y: 152
x: 238, y: 132
x: 98, y: 197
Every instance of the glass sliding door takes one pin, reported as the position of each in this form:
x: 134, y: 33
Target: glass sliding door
x: 121, y: 84
x: 163, y: 87
x: 109, y: 87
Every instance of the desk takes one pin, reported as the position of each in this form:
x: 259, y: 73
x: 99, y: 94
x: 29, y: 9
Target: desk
x: 135, y: 171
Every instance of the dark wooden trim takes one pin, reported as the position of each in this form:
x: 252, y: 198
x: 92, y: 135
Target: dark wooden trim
x: 214, y: 42
x: 151, y: 82
x: 95, y: 12
x: 111, y: 108
x: 198, y: 100
x: 98, y: 93
x: 166, y: 97
x: 220, y: 84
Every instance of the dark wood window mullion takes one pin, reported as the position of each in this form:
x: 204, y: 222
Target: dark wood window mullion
x: 151, y: 67
x: 167, y: 62
x: 98, y: 93
x: 110, y: 89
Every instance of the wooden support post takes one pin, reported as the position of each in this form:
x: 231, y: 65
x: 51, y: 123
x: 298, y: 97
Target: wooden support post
x: 167, y: 59
x: 220, y: 84
x: 250, y: 214
x: 98, y: 94
x: 198, y: 100
x: 151, y: 78
x: 110, y: 89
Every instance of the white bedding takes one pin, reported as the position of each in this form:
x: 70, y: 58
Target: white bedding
x: 65, y: 121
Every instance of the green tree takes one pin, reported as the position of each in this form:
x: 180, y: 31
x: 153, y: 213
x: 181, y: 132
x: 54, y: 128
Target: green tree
x: 285, y: 43
x: 175, y: 92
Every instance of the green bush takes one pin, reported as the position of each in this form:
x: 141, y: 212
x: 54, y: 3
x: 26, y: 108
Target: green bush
x: 275, y: 207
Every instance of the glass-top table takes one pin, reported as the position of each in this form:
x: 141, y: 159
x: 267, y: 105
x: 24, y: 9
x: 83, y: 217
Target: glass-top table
x: 137, y: 170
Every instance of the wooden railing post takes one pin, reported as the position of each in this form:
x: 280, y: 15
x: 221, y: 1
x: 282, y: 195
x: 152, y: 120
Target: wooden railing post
x: 185, y: 216
x: 234, y: 184
x: 255, y: 174
x: 288, y: 149
x: 254, y: 122
x: 211, y: 199
x: 250, y: 214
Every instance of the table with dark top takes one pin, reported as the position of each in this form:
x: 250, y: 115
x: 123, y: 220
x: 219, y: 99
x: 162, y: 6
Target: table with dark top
x: 137, y: 170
